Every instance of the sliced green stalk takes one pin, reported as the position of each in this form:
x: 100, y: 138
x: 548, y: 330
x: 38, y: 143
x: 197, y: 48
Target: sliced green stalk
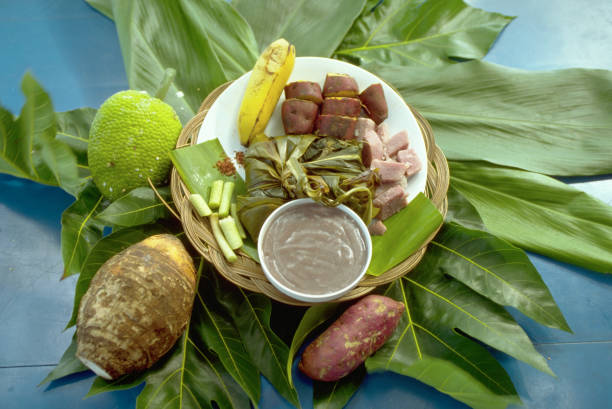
x: 227, y: 251
x: 200, y: 205
x: 226, y: 198
x: 230, y: 231
x: 234, y: 214
x: 216, y: 191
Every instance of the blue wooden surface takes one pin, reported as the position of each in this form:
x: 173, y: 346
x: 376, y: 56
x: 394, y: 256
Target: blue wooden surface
x: 73, y: 51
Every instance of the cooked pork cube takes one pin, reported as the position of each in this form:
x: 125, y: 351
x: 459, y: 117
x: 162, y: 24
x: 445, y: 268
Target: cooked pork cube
x: 410, y: 159
x: 341, y: 106
x: 377, y: 228
x: 340, y: 85
x: 396, y: 143
x: 389, y: 203
x: 363, y: 125
x: 372, y: 148
x: 389, y: 171
x: 299, y: 116
x: 373, y: 97
x: 342, y: 127
x: 307, y: 90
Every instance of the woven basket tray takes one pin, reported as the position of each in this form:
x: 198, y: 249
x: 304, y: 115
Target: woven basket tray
x: 247, y: 273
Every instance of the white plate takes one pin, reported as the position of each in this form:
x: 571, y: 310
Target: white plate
x: 222, y: 118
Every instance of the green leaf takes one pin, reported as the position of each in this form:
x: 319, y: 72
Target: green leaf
x: 315, y: 27
x: 102, y: 251
x: 69, y: 364
x: 551, y: 122
x: 80, y: 230
x: 206, y: 42
x: 496, y: 269
x: 103, y: 6
x: 461, y: 211
x: 220, y: 335
x: 335, y: 395
x: 251, y: 315
x: 422, y: 348
x: 538, y: 213
x: 454, y: 305
x: 28, y: 145
x: 420, y: 33
x: 312, y: 319
x: 73, y: 129
x: 139, y: 206
x: 406, y: 232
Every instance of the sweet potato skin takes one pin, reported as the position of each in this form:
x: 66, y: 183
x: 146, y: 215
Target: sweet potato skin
x: 343, y: 106
x: 306, y: 90
x: 373, y: 97
x: 137, y: 306
x: 340, y: 85
x: 342, y: 127
x: 299, y: 116
x: 360, y: 331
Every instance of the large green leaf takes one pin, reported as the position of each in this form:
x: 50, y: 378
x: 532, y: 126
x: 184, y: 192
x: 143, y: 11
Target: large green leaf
x: 28, y: 145
x: 552, y: 122
x: 69, y: 364
x: 420, y: 33
x: 80, y: 229
x: 251, y: 315
x: 139, y: 206
x: 73, y: 129
x: 406, y: 232
x: 539, y: 213
x: 206, y: 42
x: 102, y: 251
x: 423, y: 348
x: 461, y: 211
x: 315, y: 27
x: 335, y: 395
x: 496, y: 269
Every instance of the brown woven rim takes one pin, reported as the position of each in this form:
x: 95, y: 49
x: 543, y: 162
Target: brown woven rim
x: 247, y: 273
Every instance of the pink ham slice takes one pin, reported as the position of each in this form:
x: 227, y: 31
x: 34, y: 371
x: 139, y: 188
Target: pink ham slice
x: 410, y: 159
x: 396, y: 143
x: 390, y: 202
x: 363, y: 125
x: 372, y: 148
x: 389, y: 171
x: 377, y: 228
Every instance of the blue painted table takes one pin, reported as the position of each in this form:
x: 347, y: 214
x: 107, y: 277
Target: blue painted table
x: 73, y: 51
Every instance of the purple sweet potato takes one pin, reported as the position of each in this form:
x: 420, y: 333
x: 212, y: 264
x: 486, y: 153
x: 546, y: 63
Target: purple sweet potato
x: 342, y: 127
x: 340, y: 85
x: 373, y: 97
x: 359, y: 332
x: 310, y: 91
x: 341, y: 106
x: 299, y: 116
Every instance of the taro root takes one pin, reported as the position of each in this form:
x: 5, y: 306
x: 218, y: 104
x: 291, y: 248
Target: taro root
x: 373, y: 97
x: 410, y: 159
x: 340, y: 85
x: 343, y: 106
x: 389, y: 171
x: 342, y: 127
x: 137, y: 306
x: 397, y: 142
x: 363, y: 125
x: 359, y: 332
x: 299, y: 116
x: 310, y: 91
x: 390, y: 202
x: 372, y: 148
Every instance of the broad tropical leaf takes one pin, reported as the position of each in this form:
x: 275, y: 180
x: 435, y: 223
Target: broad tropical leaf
x: 539, y: 213
x: 424, y: 349
x: 461, y: 211
x: 69, y: 364
x: 73, y: 129
x: 551, y: 122
x: 139, y: 206
x: 28, y: 148
x: 315, y: 27
x: 420, y: 32
x: 251, y: 315
x: 80, y: 229
x: 102, y: 251
x: 335, y: 395
x: 496, y: 269
x: 206, y: 42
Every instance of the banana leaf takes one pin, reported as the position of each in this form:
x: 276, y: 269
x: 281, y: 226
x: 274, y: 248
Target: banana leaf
x: 327, y: 170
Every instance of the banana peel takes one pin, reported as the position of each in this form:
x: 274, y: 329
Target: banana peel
x: 265, y: 86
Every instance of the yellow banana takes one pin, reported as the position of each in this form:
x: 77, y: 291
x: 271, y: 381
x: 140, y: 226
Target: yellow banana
x: 265, y: 86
